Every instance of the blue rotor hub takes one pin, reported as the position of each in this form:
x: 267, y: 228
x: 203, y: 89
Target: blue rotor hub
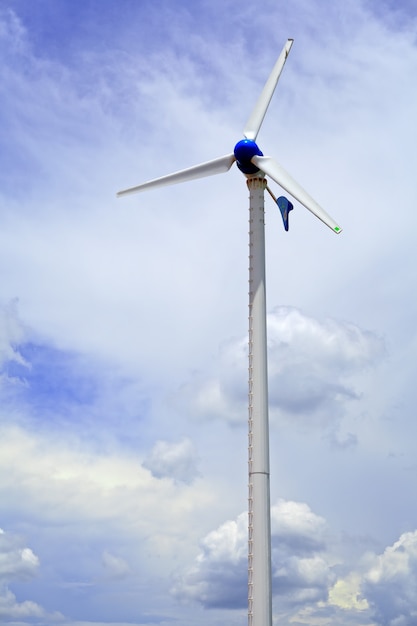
x: 244, y: 151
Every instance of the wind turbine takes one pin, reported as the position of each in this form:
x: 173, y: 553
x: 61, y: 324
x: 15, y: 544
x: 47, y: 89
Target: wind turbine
x: 254, y: 165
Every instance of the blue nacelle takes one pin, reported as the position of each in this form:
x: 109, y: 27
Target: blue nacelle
x: 244, y: 151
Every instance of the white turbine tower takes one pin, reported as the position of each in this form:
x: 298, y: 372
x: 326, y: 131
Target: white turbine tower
x: 254, y: 165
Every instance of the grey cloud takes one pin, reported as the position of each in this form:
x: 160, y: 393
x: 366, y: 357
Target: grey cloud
x: 300, y: 575
x: 313, y: 365
x: 336, y: 344
x: 173, y: 460
x: 312, y: 361
x: 218, y: 578
x: 295, y: 527
x: 391, y: 581
x: 303, y: 580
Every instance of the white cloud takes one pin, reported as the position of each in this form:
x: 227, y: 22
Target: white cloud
x: 300, y: 574
x: 379, y: 592
x: 297, y: 525
x: 11, y: 609
x: 315, y: 367
x: 335, y: 344
x: 17, y: 563
x: 390, y: 584
x: 312, y: 360
x: 218, y: 579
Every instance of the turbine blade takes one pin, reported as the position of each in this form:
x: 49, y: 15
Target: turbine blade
x: 257, y: 116
x: 279, y: 175
x: 217, y: 166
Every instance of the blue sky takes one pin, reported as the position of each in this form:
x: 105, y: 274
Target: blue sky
x: 123, y: 322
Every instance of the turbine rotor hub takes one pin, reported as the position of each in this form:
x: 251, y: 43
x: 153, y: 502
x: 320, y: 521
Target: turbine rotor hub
x: 244, y: 151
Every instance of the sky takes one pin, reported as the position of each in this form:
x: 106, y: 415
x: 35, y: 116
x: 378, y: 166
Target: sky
x: 123, y: 322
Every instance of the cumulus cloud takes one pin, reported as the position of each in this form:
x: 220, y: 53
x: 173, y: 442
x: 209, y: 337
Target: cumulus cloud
x: 295, y: 524
x: 10, y: 608
x: 218, y: 578
x: 390, y: 584
x: 380, y: 592
x: 300, y: 571
x: 312, y: 361
x: 313, y: 366
x: 346, y: 593
x: 173, y: 460
x: 17, y: 563
x: 300, y: 574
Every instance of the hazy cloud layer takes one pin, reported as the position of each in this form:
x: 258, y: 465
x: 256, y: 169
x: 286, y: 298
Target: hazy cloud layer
x: 11, y: 334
